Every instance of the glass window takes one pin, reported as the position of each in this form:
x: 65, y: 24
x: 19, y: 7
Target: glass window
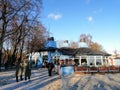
x: 76, y: 61
x: 117, y: 62
x: 98, y: 60
x: 91, y: 60
x: 83, y: 62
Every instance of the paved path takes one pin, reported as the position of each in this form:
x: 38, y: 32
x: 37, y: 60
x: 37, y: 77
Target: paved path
x: 41, y: 81
x: 92, y: 82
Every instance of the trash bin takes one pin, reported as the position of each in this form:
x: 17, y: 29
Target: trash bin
x: 67, y: 70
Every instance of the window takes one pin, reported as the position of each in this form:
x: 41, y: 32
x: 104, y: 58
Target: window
x: 76, y: 61
x: 98, y: 60
x: 91, y: 61
x: 83, y: 62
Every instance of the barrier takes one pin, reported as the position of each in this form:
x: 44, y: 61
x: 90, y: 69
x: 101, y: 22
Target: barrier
x: 82, y: 69
x: 93, y: 69
x: 66, y: 72
x: 113, y: 69
x: 100, y: 69
x: 103, y: 69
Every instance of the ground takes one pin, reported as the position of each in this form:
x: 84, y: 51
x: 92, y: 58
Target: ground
x: 41, y: 81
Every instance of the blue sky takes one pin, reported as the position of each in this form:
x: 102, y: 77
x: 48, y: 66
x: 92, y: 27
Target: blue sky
x: 68, y: 19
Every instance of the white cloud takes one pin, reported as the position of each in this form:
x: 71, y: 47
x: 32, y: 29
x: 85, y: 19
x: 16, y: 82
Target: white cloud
x: 54, y: 16
x: 90, y: 18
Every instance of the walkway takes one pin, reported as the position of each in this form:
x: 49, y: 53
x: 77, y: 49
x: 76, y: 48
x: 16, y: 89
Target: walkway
x: 41, y: 81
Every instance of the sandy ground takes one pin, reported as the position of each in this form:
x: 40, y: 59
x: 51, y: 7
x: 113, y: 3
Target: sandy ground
x: 93, y: 82
x: 41, y: 81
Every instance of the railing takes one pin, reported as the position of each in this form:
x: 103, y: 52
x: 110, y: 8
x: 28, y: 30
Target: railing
x: 82, y: 69
x: 103, y: 69
x: 107, y: 69
x: 114, y: 69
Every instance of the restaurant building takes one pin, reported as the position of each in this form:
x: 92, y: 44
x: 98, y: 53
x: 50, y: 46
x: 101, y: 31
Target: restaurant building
x: 83, y: 58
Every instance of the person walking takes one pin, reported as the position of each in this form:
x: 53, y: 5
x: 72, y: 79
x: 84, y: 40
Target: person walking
x: 50, y: 66
x: 27, y: 69
x: 19, y: 70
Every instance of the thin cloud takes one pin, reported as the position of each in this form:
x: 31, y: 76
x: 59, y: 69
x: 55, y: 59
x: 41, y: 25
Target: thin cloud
x: 90, y: 18
x: 54, y: 16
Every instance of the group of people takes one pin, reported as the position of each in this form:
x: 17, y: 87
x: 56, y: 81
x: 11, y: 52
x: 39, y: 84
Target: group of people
x: 23, y: 67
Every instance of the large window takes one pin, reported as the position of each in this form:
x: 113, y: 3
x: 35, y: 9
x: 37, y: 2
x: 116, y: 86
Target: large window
x: 84, y: 60
x: 98, y: 60
x: 76, y: 61
x: 91, y: 60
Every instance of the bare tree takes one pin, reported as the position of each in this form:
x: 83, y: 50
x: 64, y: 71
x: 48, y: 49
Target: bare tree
x: 38, y: 38
x: 74, y: 44
x: 91, y: 44
x: 116, y: 53
x: 83, y: 38
x: 86, y: 38
x: 96, y: 46
x: 19, y: 11
x: 89, y: 39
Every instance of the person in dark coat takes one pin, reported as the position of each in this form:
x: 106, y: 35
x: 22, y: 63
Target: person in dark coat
x: 19, y: 70
x: 50, y: 66
x: 27, y: 69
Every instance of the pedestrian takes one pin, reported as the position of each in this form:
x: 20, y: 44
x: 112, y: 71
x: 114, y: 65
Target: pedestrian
x: 45, y: 64
x: 50, y: 66
x: 19, y: 70
x: 27, y: 69
x: 6, y: 65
